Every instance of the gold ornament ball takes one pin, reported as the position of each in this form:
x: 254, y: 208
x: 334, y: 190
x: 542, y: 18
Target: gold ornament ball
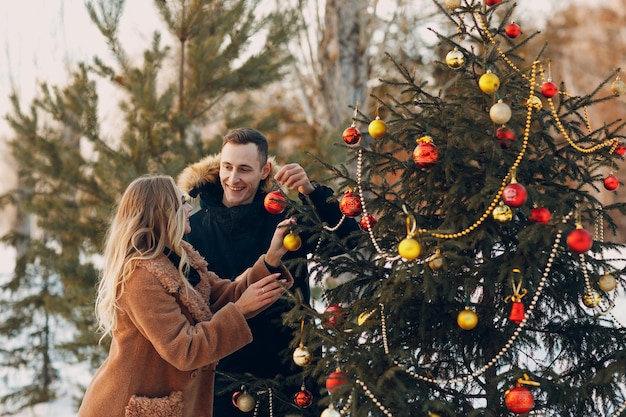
x: 245, y: 402
x: 453, y: 4
x: 292, y: 241
x: 500, y: 113
x: 377, y: 128
x: 467, y: 319
x: 455, y: 59
x: 607, y: 282
x: 618, y: 87
x: 409, y: 248
x: 502, y: 213
x: 534, y: 102
x: 591, y: 298
x: 435, y: 262
x: 488, y: 82
x: 302, y: 356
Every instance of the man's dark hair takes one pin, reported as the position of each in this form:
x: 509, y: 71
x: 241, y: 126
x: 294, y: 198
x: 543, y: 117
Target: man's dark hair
x: 244, y: 135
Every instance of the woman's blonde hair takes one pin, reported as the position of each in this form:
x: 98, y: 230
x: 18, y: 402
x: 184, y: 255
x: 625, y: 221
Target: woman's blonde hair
x: 149, y: 218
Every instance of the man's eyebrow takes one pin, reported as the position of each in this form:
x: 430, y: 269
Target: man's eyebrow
x: 242, y: 165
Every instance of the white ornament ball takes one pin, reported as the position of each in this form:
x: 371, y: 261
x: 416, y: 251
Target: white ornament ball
x: 302, y: 356
x: 500, y: 112
x: 245, y: 402
x: 607, y: 282
x: 330, y: 412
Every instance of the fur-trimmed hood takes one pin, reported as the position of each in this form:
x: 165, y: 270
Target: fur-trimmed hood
x: 205, y: 173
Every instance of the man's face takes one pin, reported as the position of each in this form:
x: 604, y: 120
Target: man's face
x: 241, y: 173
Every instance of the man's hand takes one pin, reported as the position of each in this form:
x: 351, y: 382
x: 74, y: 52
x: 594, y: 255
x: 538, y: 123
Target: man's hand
x: 293, y: 176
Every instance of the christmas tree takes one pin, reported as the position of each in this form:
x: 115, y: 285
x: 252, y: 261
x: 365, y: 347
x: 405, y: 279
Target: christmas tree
x: 485, y: 278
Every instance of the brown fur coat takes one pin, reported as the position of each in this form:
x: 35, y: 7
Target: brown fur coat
x: 169, y: 338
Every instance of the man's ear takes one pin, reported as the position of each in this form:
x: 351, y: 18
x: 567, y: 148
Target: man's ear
x: 266, y: 170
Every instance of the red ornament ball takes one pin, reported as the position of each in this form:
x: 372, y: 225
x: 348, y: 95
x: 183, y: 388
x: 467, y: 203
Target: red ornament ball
x: 505, y: 137
x: 335, y: 381
x: 611, y: 182
x: 333, y: 316
x: 620, y: 150
x: 367, y: 219
x: 351, y: 135
x: 275, y: 202
x: 540, y: 215
x: 549, y: 89
x: 514, y: 195
x: 350, y: 204
x: 513, y: 30
x: 303, y: 398
x: 519, y: 400
x: 579, y: 240
x: 492, y: 2
x: 425, y: 153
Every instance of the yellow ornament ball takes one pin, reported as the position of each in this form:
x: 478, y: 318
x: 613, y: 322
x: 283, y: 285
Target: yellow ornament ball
x: 488, y: 82
x: 292, y: 241
x: 453, y: 4
x: 377, y: 128
x: 467, y: 319
x: 409, y: 248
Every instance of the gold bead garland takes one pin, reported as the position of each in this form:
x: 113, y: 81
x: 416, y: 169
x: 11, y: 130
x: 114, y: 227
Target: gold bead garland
x: 507, y: 345
x: 610, y: 142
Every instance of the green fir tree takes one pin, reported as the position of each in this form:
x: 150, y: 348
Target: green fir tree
x: 485, y: 191
x: 70, y: 173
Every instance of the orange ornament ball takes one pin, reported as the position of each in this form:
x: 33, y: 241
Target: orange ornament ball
x: 350, y: 204
x: 275, y: 202
x: 351, y: 135
x: 519, y: 400
x: 335, y: 380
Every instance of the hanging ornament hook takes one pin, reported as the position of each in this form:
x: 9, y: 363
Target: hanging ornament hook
x: 411, y: 223
x: 518, y: 292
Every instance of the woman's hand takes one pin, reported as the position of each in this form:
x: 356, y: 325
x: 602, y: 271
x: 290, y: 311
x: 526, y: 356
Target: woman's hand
x: 261, y: 294
x: 276, y: 250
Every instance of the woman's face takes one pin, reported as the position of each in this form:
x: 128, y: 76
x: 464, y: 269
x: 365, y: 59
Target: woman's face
x: 187, y: 209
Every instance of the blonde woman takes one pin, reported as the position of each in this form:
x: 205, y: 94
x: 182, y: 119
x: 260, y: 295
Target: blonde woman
x: 170, y: 319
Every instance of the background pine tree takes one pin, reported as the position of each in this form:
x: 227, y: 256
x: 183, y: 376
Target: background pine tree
x: 70, y: 174
x: 397, y: 340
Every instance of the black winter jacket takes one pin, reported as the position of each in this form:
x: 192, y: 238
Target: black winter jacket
x: 231, y: 239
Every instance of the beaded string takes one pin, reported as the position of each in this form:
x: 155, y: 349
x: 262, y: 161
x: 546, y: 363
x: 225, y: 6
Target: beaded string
x: 507, y: 346
x: 613, y: 143
x: 271, y: 403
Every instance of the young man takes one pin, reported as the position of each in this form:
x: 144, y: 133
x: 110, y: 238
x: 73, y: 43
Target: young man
x: 231, y: 229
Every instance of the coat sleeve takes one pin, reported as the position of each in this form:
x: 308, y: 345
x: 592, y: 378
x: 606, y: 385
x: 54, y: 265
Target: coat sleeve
x: 224, y: 291
x: 157, y: 315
